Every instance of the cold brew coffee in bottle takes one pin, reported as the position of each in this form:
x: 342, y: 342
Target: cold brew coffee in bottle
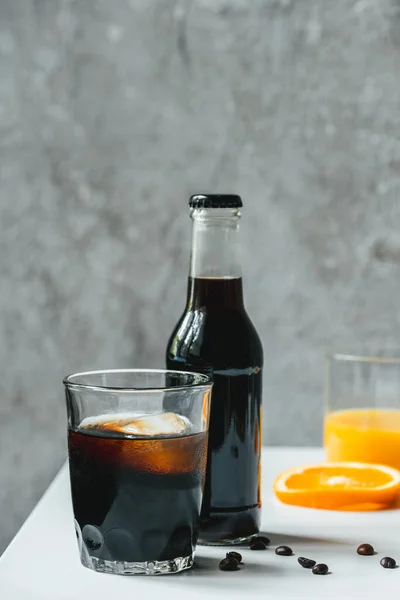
x: 215, y: 335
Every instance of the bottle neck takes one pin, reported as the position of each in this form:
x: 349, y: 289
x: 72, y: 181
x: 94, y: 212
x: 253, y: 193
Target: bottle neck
x: 215, y: 270
x: 215, y: 243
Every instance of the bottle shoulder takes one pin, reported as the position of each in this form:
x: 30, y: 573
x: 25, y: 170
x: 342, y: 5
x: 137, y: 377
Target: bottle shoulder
x: 226, y: 336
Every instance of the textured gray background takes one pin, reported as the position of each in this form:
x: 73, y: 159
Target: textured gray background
x: 111, y: 114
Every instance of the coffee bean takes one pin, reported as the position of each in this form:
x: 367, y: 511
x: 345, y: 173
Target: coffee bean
x: 306, y: 563
x: 365, y: 550
x: 284, y: 551
x: 258, y: 546
x: 260, y: 538
x: 92, y: 544
x: 234, y: 555
x: 229, y: 564
x: 320, y: 569
x: 388, y: 563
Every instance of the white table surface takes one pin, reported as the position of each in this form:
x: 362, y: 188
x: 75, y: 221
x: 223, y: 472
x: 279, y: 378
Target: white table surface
x: 42, y: 561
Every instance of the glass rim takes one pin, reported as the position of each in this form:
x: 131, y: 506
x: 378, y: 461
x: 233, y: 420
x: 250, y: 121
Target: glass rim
x: 204, y: 381
x: 215, y: 214
x: 387, y: 356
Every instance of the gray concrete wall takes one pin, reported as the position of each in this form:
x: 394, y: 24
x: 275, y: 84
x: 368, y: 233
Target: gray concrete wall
x: 111, y: 115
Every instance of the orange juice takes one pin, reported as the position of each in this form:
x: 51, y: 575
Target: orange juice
x: 363, y: 435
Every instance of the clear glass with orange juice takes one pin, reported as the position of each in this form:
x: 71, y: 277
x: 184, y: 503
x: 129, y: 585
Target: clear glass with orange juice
x: 361, y: 438
x: 362, y: 419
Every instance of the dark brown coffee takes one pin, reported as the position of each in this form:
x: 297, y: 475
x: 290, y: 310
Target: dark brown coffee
x: 215, y: 335
x: 136, y: 499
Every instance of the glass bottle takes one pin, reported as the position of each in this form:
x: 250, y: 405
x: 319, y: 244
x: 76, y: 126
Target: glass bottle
x: 215, y: 335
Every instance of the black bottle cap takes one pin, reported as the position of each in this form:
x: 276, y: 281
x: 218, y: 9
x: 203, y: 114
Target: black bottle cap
x: 215, y: 201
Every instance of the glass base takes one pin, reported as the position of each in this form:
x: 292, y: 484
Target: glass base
x: 121, y: 567
x: 157, y: 567
x: 230, y: 526
x: 240, y: 541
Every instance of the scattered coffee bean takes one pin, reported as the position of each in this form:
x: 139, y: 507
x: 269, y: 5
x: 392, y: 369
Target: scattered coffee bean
x: 284, y: 551
x: 388, y: 563
x: 306, y: 563
x: 229, y: 564
x: 320, y: 569
x: 260, y: 538
x: 258, y: 546
x: 91, y: 544
x: 365, y: 550
x: 235, y: 555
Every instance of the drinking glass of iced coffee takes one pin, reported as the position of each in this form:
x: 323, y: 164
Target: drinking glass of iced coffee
x: 137, y: 442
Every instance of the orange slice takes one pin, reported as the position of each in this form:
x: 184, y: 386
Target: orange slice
x: 339, y: 486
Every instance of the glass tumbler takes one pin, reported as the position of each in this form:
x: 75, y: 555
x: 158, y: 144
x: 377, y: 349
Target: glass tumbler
x: 137, y: 443
x: 362, y: 419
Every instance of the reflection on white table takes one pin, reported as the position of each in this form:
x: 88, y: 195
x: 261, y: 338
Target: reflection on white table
x: 42, y: 561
